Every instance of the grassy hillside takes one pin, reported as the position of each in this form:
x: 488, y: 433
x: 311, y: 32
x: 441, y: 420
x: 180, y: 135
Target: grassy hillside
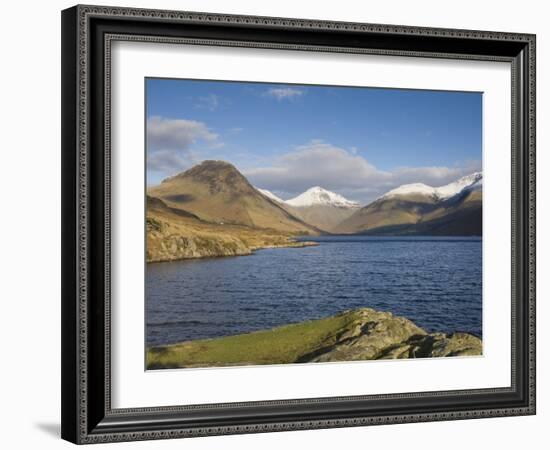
x: 174, y: 234
x: 324, y: 217
x: 217, y: 192
x: 386, y: 212
x: 418, y: 215
x: 362, y: 334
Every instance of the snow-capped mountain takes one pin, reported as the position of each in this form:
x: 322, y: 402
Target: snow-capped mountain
x: 319, y: 196
x: 477, y: 186
x: 270, y: 195
x: 453, y: 210
x: 438, y: 193
x: 316, y: 206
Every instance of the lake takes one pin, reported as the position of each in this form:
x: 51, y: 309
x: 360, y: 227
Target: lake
x: 434, y: 281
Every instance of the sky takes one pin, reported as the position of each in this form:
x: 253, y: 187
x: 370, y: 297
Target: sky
x: 359, y: 142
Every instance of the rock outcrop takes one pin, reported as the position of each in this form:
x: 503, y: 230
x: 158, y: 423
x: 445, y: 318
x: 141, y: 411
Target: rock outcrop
x: 174, y: 234
x: 381, y: 335
x: 357, y: 335
x: 167, y: 242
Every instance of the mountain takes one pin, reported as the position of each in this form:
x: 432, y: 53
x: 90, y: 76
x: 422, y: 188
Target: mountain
x: 454, y: 209
x: 438, y: 193
x: 319, y: 196
x: 216, y: 192
x: 321, y: 208
x: 270, y: 195
x: 173, y: 234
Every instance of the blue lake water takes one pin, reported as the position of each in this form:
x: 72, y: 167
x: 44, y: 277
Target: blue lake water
x: 434, y: 281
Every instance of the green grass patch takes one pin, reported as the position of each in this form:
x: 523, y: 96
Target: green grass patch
x: 281, y: 345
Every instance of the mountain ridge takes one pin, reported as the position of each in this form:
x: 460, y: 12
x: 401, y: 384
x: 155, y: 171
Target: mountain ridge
x: 441, y: 193
x: 317, y: 206
x: 217, y: 192
x: 452, y: 209
x: 270, y: 195
x: 317, y: 195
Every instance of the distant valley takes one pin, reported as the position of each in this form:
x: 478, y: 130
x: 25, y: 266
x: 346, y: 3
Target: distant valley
x: 319, y: 207
x: 454, y: 209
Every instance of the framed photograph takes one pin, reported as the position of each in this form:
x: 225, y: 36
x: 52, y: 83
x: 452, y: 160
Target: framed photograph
x: 281, y: 224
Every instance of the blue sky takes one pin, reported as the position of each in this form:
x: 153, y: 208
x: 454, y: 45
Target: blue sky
x: 359, y: 142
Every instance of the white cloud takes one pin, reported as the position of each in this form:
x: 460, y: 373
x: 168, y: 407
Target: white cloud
x: 342, y: 171
x: 210, y: 102
x: 169, y: 143
x: 286, y: 93
x: 166, y: 162
x: 316, y: 163
x: 168, y: 134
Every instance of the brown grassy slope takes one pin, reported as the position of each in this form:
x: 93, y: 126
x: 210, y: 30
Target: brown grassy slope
x: 324, y: 217
x: 463, y: 217
x: 458, y: 216
x: 385, y: 212
x: 217, y: 192
x: 174, y: 234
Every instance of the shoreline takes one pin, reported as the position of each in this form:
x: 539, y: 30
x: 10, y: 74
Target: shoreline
x: 249, y: 250
x: 291, y: 244
x: 356, y: 335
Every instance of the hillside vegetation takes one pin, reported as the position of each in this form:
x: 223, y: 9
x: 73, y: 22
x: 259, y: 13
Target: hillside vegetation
x: 174, y: 234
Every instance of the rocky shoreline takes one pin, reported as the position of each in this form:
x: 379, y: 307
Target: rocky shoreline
x: 357, y: 335
x: 381, y: 335
x: 172, y: 241
x: 176, y: 248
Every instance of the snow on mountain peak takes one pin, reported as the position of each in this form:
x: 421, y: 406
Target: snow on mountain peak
x: 413, y: 188
x: 447, y: 191
x: 270, y: 195
x: 319, y: 196
x: 473, y: 181
x: 477, y: 186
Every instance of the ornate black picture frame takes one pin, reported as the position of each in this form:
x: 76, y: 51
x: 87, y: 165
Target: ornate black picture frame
x: 87, y: 34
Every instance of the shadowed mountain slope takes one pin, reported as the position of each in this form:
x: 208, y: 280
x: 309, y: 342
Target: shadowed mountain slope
x: 421, y: 212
